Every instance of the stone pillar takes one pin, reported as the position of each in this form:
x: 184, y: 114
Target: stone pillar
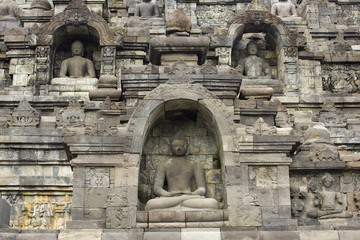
x: 108, y: 55
x: 43, y: 67
x: 312, y: 16
x: 105, y: 194
x: 4, y: 214
x: 290, y: 70
x: 258, y: 184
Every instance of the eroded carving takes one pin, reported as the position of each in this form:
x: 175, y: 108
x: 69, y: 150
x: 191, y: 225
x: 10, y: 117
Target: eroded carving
x: 260, y: 127
x: 330, y: 204
x: 97, y: 177
x: 24, y: 116
x: 71, y: 116
x: 101, y: 128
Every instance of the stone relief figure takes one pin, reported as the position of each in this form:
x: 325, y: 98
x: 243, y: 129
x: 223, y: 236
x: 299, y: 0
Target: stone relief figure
x: 147, y: 9
x: 77, y: 66
x: 328, y: 202
x: 283, y: 8
x: 253, y: 66
x: 179, y: 173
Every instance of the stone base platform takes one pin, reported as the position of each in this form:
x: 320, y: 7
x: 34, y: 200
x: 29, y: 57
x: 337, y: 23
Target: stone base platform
x: 182, y: 219
x: 178, y: 234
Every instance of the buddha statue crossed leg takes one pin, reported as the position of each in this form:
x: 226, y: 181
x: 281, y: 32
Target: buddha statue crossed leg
x: 179, y: 173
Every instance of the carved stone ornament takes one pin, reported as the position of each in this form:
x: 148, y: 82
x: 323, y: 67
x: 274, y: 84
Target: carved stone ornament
x: 323, y: 152
x: 260, y: 127
x: 166, y: 90
x: 42, y: 65
x: 101, y: 129
x: 179, y: 73
x: 178, y: 22
x: 40, y: 4
x: 330, y: 115
x: 71, y: 116
x: 24, y: 116
x: 207, y: 68
x: 97, y: 177
x: 257, y: 14
x: 75, y: 14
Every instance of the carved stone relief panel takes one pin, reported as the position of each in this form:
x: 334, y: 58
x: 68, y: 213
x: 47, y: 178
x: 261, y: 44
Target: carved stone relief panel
x: 39, y: 211
x: 42, y: 65
x: 324, y: 195
x: 97, y: 177
x: 215, y: 15
x: 341, y: 78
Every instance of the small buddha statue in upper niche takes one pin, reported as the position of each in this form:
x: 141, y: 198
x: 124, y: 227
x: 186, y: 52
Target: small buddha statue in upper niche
x: 253, y: 66
x: 77, y: 66
x: 147, y: 9
x: 284, y: 9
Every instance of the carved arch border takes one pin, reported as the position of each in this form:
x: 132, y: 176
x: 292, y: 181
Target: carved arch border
x: 278, y: 29
x: 75, y: 14
x: 212, y: 110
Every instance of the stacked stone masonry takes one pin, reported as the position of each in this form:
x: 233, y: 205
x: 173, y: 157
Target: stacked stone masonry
x: 180, y: 119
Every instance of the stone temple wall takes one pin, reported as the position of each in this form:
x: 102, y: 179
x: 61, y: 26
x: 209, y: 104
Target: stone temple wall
x: 80, y: 150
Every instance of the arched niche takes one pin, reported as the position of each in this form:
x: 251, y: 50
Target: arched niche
x: 63, y: 39
x: 76, y: 22
x: 205, y: 122
x: 281, y: 42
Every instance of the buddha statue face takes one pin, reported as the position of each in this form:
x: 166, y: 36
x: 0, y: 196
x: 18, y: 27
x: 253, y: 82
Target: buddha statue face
x: 327, y: 181
x: 178, y: 147
x: 252, y: 48
x: 77, y: 48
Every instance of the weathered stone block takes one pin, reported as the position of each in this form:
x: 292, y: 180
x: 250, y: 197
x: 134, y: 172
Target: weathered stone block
x: 274, y: 235
x: 127, y: 176
x: 204, y: 216
x: 200, y: 233
x: 37, y: 236
x: 122, y: 197
x: 4, y: 214
x: 319, y: 235
x: 120, y: 217
x: 237, y: 235
x: 123, y: 235
x: 83, y: 224
x: 174, y: 235
x: 348, y: 235
x: 166, y: 216
x: 89, y: 234
x: 233, y: 175
x: 245, y: 216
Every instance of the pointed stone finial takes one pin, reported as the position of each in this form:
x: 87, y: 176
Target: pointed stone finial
x: 24, y: 116
x: 256, y: 5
